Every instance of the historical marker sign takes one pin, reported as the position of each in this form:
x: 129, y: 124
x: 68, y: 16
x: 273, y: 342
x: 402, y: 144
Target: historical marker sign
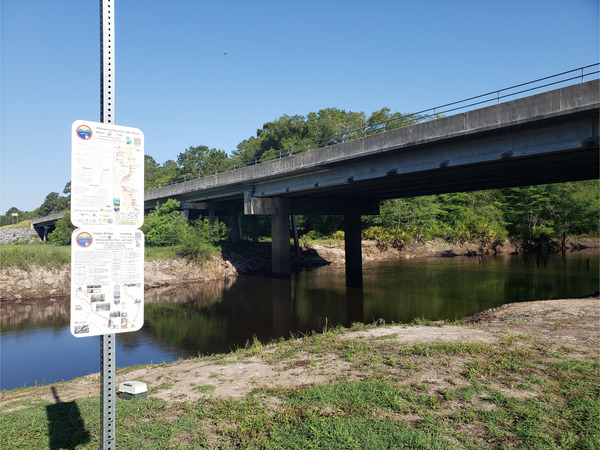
x: 107, y: 174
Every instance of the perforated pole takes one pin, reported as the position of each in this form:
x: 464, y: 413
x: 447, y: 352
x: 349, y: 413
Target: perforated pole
x: 107, y: 61
x: 107, y: 115
x: 107, y: 397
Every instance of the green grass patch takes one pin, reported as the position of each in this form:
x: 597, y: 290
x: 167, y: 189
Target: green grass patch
x: 205, y: 388
x: 160, y: 253
x: 24, y: 256
x: 22, y: 224
x: 481, y: 396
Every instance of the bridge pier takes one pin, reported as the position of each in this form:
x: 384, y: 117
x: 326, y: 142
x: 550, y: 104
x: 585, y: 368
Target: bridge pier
x: 280, y: 210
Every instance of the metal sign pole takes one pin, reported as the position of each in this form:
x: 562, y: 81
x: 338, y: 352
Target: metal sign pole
x: 107, y: 114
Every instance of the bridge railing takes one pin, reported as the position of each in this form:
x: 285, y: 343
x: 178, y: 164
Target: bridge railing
x: 569, y: 77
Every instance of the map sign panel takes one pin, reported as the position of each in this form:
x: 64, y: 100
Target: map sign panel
x: 107, y: 280
x: 107, y: 174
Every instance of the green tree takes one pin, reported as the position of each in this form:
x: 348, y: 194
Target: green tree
x: 416, y: 216
x: 216, y: 161
x: 63, y: 231
x: 526, y: 211
x: 8, y: 218
x: 53, y: 203
x: 156, y: 175
x: 165, y: 225
x: 191, y: 161
x: 573, y: 208
x: 201, y: 161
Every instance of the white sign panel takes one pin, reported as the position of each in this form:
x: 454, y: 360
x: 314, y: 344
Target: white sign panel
x: 107, y: 174
x: 107, y: 280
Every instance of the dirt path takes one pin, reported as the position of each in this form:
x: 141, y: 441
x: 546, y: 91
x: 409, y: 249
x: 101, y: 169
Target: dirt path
x: 569, y: 323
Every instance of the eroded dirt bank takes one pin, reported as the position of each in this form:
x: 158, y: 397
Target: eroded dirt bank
x: 39, y: 282
x: 570, y: 325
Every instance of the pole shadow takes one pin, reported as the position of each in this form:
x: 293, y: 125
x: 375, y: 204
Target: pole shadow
x: 65, y: 425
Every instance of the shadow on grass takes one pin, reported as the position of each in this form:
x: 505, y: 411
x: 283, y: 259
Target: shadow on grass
x: 65, y: 425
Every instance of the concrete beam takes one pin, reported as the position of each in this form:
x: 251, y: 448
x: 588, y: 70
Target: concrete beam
x: 211, y: 206
x: 279, y: 205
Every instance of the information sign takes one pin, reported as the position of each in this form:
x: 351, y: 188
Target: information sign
x: 107, y: 174
x: 107, y: 280
x: 107, y: 249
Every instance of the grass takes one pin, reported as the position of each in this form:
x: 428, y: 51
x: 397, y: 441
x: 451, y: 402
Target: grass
x: 513, y: 394
x: 22, y: 224
x: 24, y: 256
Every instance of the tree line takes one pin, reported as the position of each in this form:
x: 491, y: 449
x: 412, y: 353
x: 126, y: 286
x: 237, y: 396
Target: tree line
x: 283, y: 137
x: 555, y: 210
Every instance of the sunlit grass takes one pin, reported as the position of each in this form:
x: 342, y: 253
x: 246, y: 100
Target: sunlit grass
x: 48, y: 255
x: 502, y: 396
x: 24, y: 256
x: 22, y: 224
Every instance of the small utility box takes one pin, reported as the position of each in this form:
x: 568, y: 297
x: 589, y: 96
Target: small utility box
x: 133, y: 389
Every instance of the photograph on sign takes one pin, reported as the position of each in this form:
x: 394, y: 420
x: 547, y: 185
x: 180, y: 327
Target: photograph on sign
x: 107, y: 174
x: 107, y: 280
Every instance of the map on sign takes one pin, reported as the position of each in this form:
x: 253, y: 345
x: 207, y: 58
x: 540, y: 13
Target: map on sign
x: 107, y: 174
x: 107, y: 280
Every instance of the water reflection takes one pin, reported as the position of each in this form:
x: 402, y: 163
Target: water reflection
x: 217, y: 317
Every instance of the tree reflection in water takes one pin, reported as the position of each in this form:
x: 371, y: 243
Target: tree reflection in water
x: 218, y: 317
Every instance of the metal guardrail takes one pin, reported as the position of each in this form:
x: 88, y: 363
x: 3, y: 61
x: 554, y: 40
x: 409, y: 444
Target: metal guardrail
x: 541, y: 84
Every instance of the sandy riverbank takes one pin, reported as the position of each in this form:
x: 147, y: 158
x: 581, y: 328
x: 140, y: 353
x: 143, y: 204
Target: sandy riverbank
x: 571, y: 325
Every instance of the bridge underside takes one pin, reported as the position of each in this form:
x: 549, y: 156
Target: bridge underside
x: 362, y: 197
x: 545, y: 138
x: 570, y: 165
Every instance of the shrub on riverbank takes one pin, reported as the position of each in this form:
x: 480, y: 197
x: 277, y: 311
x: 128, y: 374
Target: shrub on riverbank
x: 199, y: 241
x: 167, y: 226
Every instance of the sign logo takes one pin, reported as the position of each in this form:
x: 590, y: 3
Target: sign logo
x: 84, y: 132
x: 84, y: 239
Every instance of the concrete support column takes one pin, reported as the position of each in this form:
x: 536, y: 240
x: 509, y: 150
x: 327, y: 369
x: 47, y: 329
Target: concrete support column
x: 280, y: 247
x: 211, y: 217
x: 353, y: 247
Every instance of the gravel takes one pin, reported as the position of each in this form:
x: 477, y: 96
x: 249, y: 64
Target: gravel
x: 14, y: 235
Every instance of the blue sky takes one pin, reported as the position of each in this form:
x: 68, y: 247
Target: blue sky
x: 174, y: 82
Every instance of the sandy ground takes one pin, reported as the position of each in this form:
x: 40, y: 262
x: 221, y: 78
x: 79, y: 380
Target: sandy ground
x: 571, y: 323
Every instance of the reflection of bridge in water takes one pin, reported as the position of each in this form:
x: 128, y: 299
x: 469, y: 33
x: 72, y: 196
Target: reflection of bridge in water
x: 545, y: 138
x: 267, y: 308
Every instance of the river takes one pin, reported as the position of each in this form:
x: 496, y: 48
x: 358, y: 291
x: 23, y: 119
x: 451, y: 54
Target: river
x: 37, y: 346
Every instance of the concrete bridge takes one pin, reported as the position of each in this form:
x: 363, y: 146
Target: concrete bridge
x: 45, y: 225
x: 545, y: 138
